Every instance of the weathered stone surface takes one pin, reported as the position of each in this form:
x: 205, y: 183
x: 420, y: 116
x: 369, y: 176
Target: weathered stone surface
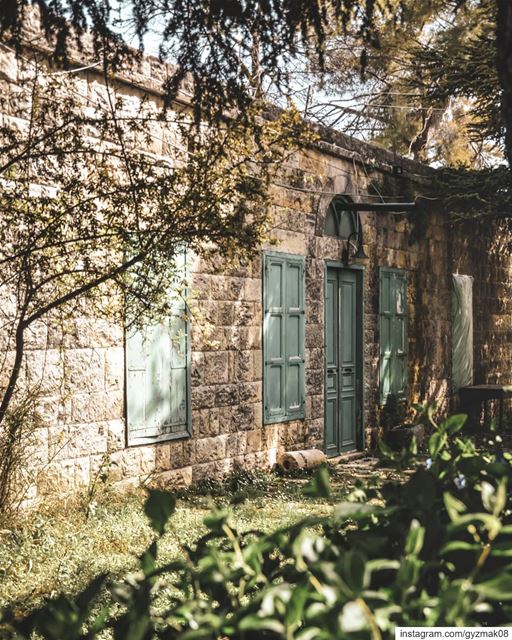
x: 114, y: 369
x: 80, y: 361
x: 216, y: 367
x: 174, y: 479
x: 226, y: 394
x: 209, y: 449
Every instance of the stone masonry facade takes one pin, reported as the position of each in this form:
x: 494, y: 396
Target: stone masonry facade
x: 81, y: 373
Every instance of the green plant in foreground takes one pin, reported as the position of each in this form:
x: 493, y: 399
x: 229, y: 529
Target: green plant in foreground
x: 433, y: 550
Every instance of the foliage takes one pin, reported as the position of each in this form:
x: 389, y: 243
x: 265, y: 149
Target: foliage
x: 470, y: 194
x: 429, y: 86
x: 60, y: 545
x: 431, y: 551
x: 223, y: 48
x: 18, y: 451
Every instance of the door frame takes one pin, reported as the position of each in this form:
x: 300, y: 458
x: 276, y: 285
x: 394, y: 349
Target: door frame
x: 360, y: 311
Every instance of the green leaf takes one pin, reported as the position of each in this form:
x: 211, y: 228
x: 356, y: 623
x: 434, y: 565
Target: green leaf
x: 460, y: 545
x: 159, y: 506
x: 454, y: 423
x: 493, y: 499
x: 319, y: 485
x: 216, y: 520
x: 382, y: 564
x: 408, y: 573
x: 436, y: 442
x: 386, y: 450
x: 148, y: 558
x: 255, y: 623
x: 354, y: 570
x: 415, y: 539
x: 454, y: 507
x: 497, y: 588
x: 295, y: 606
x: 353, y: 511
x: 490, y: 522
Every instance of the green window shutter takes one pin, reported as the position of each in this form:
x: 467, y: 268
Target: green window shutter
x: 283, y: 337
x: 158, y: 380
x: 393, y: 332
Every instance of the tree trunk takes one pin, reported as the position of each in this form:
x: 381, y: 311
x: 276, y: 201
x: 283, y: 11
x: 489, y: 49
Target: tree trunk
x: 15, y: 371
x: 504, y: 66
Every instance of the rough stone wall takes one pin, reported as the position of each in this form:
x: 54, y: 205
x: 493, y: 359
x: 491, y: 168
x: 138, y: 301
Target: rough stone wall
x: 81, y: 371
x: 481, y: 248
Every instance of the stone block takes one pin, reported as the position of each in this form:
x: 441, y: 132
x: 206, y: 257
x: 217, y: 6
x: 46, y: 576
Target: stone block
x: 243, y: 417
x: 44, y: 369
x: 257, y: 355
x: 189, y: 452
x: 36, y: 336
x: 88, y: 407
x: 82, y: 474
x: 243, y: 313
x: 254, y: 337
x: 203, y: 397
x: 314, y: 381
x: 225, y: 313
x: 315, y: 336
x: 114, y: 368
x: 66, y: 442
x: 252, y: 290
x: 50, y: 409
x: 250, y: 392
x: 8, y: 65
x: 210, y: 470
x: 84, y: 370
x: 216, y: 367
x: 236, y: 444
x: 226, y: 394
x: 254, y: 440
x: 116, y: 435
x: 201, y: 422
x: 209, y: 449
x: 173, y: 479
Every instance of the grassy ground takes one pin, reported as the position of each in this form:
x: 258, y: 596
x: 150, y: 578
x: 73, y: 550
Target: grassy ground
x: 60, y: 547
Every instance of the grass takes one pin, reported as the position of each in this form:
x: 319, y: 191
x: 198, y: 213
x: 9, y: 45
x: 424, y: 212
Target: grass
x: 60, y: 547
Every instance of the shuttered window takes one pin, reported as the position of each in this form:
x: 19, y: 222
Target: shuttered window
x: 158, y: 379
x: 283, y: 337
x: 393, y: 333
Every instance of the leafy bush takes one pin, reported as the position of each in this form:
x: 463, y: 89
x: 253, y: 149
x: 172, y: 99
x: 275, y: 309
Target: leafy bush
x: 433, y: 550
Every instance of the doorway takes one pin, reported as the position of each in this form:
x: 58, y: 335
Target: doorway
x: 343, y: 360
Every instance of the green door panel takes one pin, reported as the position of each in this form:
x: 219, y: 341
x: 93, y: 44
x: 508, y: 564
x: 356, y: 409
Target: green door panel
x: 331, y: 370
x: 348, y: 288
x: 343, y: 328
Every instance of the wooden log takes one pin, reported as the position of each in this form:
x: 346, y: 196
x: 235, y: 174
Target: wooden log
x: 306, y: 459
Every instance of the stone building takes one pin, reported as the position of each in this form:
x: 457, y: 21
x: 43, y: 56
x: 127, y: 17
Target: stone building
x: 308, y: 340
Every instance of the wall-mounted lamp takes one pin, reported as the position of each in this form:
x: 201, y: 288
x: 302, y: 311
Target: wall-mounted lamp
x: 359, y: 255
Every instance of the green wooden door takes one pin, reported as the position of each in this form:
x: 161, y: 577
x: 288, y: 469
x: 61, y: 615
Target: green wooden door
x: 343, y: 361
